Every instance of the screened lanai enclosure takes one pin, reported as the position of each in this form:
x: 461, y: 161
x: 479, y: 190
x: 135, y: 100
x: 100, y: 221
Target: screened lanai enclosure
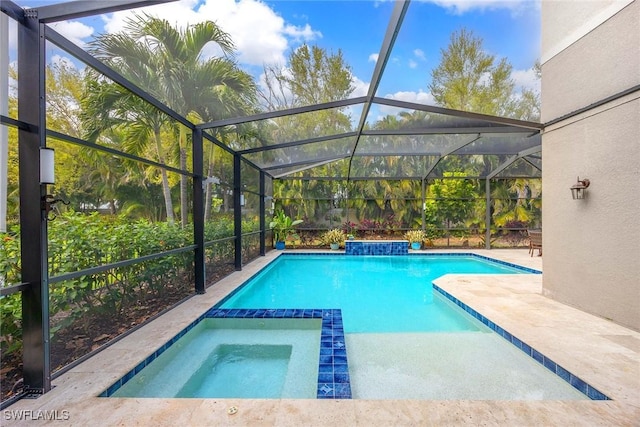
x: 145, y: 163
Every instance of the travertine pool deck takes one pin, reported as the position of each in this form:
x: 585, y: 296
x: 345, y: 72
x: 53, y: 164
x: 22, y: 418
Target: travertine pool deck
x: 602, y: 353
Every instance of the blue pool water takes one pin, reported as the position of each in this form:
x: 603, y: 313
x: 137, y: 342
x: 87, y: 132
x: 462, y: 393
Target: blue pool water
x: 233, y: 357
x: 385, y: 334
x: 375, y: 293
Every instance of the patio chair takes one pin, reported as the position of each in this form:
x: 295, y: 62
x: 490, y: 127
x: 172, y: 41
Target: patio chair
x: 535, y: 241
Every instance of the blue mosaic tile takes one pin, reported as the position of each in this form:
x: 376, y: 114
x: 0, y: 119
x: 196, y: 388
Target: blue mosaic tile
x: 128, y: 376
x: 515, y: 341
x: 563, y: 373
x: 326, y: 391
x: 342, y: 391
x: 326, y: 358
x: 326, y: 350
x: 340, y: 352
x: 380, y: 247
x: 340, y: 360
x: 343, y: 369
x: 550, y: 364
x: 325, y: 377
x: 595, y: 394
x: 580, y: 385
x: 339, y: 377
x: 539, y: 357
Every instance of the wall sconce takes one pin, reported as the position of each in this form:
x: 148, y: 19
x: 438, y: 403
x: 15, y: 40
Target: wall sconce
x: 47, y: 177
x: 578, y: 190
x: 47, y: 173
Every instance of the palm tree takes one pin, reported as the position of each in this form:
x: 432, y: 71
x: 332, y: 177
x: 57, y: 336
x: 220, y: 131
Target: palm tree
x: 151, y: 52
x: 202, y: 89
x: 110, y: 106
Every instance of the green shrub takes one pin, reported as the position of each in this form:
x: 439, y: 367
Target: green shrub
x: 79, y: 241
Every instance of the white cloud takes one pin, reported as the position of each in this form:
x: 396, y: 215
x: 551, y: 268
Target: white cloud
x: 459, y: 7
x: 374, y: 57
x: 301, y: 34
x: 360, y: 88
x: 419, y: 53
x: 526, y: 79
x: 419, y: 97
x: 412, y: 64
x: 259, y: 33
x: 63, y: 61
x: 75, y: 31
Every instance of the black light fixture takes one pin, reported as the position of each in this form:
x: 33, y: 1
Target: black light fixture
x: 578, y: 190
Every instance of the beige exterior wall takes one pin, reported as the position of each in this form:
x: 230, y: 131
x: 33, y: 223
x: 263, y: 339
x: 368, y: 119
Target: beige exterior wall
x: 592, y: 246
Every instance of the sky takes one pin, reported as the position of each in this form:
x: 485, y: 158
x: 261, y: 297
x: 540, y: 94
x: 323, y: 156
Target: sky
x: 266, y: 32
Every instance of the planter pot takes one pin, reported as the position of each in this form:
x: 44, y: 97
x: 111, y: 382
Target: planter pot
x: 415, y: 245
x: 334, y: 246
x: 279, y: 246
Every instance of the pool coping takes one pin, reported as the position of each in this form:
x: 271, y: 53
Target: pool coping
x: 333, y: 369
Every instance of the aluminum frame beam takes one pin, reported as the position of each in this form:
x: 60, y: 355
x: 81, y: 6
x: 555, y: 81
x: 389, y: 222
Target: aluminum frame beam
x: 513, y: 159
x: 33, y: 244
x: 12, y: 10
x: 395, y: 23
x: 311, y: 162
x: 199, y: 263
x: 297, y: 143
x: 445, y: 131
x: 458, y: 113
x: 282, y: 113
x: 82, y: 8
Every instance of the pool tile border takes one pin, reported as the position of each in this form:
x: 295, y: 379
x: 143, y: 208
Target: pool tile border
x: 333, y: 368
x: 579, y: 384
x: 423, y: 254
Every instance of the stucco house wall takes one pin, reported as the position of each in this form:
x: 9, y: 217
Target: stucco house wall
x: 590, y: 56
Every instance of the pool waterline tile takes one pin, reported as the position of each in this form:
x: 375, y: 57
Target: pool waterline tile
x: 333, y: 373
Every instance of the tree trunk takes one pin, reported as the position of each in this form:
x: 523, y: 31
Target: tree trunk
x: 183, y: 178
x: 208, y: 195
x: 183, y: 189
x: 165, y: 180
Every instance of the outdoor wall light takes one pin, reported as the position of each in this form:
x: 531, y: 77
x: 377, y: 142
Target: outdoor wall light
x: 47, y: 175
x: 579, y: 190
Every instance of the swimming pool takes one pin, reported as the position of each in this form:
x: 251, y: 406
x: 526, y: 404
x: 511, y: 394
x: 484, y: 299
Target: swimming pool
x: 403, y: 338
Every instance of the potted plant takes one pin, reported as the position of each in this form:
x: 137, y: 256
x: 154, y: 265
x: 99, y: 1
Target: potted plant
x: 415, y: 237
x: 349, y: 228
x: 283, y: 226
x: 333, y: 238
